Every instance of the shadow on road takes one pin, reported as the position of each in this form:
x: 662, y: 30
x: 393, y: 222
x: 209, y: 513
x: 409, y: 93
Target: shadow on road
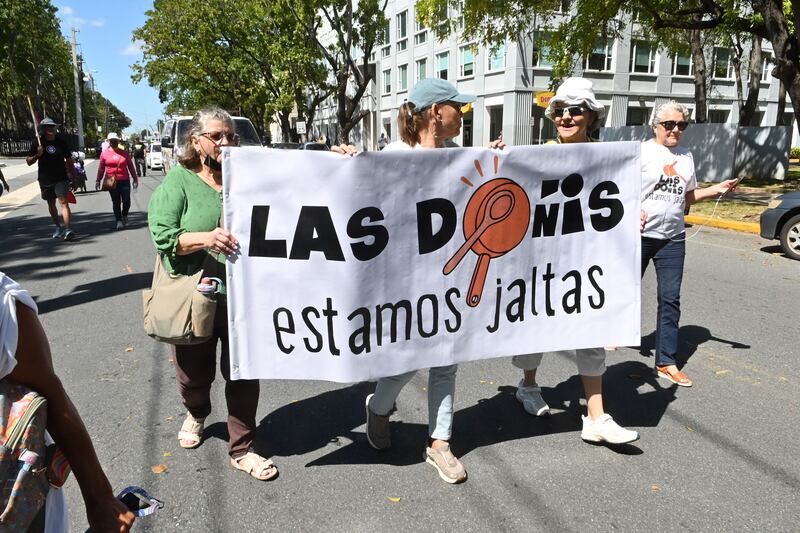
x: 97, y: 290
x: 689, y: 339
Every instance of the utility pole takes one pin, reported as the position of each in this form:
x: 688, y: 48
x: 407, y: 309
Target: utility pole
x: 76, y: 76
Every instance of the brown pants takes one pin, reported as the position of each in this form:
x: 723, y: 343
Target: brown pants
x: 196, y: 367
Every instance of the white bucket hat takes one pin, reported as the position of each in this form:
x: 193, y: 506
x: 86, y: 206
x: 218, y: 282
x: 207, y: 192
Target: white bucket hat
x: 576, y: 91
x: 112, y: 135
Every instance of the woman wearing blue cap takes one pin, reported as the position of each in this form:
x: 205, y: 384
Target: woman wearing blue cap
x: 429, y: 119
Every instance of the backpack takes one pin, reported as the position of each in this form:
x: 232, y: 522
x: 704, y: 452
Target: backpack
x: 23, y: 473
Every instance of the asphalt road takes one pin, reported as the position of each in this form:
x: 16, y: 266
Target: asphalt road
x: 721, y: 456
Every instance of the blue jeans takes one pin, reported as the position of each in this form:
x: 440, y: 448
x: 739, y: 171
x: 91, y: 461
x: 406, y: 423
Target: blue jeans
x: 668, y: 256
x: 441, y: 389
x: 121, y: 194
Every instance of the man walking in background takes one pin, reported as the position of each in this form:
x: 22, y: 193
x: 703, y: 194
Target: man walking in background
x: 139, y: 155
x: 55, y: 160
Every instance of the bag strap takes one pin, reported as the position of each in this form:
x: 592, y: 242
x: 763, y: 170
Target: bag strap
x: 17, y: 431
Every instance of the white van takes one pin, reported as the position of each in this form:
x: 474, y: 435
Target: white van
x: 176, y: 129
x: 153, y: 158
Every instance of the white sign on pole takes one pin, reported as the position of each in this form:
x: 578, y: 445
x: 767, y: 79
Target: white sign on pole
x: 301, y: 127
x: 354, y: 268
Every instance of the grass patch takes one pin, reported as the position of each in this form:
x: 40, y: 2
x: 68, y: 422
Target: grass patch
x: 739, y: 210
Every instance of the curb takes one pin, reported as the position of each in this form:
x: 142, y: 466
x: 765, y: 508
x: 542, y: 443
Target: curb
x: 748, y: 227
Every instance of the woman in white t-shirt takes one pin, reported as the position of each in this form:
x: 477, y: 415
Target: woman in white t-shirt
x: 669, y: 185
x: 25, y: 357
x: 429, y: 119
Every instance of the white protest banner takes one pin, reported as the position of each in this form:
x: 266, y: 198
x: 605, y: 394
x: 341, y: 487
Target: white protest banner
x: 354, y: 268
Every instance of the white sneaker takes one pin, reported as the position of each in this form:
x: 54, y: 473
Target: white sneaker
x: 604, y: 429
x: 531, y: 399
x: 120, y: 225
x: 58, y: 233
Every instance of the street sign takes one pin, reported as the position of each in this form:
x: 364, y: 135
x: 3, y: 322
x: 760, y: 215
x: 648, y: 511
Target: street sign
x: 543, y: 98
x: 301, y: 127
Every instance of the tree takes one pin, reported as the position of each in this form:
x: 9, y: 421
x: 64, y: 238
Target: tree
x: 341, y: 29
x: 248, y: 56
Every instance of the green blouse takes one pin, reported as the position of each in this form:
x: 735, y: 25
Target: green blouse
x: 183, y: 203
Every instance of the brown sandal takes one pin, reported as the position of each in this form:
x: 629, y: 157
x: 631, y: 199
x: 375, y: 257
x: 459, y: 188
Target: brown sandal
x: 259, y: 467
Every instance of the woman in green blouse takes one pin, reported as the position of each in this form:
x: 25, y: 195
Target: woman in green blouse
x: 184, y: 217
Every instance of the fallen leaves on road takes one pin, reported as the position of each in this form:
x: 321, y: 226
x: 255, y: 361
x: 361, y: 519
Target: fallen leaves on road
x: 485, y: 381
x: 159, y: 469
x: 129, y: 349
x: 167, y: 454
x: 129, y: 269
x: 393, y: 499
x: 721, y: 372
x: 169, y: 419
x: 690, y: 428
x: 655, y: 488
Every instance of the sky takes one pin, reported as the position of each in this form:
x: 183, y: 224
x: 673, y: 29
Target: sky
x: 105, y: 41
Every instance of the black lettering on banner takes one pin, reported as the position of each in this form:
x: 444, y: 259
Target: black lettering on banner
x: 421, y: 318
x: 597, y: 202
x: 289, y: 328
x: 491, y: 328
x: 448, y: 297
x: 314, y: 331
x: 329, y: 313
x: 533, y: 292
x: 315, y: 233
x: 405, y: 305
x: 601, y: 295
x: 545, y: 218
x: 357, y: 230
x: 429, y: 241
x: 547, y: 277
x: 362, y: 331
x: 260, y: 246
x: 574, y: 293
x: 519, y: 302
x: 572, y: 221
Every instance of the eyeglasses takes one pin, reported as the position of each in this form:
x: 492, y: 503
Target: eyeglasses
x: 573, y: 110
x: 669, y: 125
x: 217, y: 136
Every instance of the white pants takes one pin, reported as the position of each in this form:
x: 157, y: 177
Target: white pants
x: 590, y: 361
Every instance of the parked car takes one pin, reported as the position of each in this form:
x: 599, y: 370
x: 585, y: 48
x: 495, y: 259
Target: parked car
x: 173, y: 136
x: 284, y: 146
x: 153, y: 158
x: 313, y: 145
x: 781, y: 220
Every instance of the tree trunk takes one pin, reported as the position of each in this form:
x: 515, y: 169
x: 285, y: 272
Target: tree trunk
x: 747, y: 111
x: 781, y: 105
x: 784, y: 45
x: 700, y: 91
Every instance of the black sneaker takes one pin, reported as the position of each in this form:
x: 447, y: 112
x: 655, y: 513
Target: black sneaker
x: 68, y: 234
x: 378, y: 433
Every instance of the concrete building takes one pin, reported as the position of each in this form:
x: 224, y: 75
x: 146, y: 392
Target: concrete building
x: 630, y: 75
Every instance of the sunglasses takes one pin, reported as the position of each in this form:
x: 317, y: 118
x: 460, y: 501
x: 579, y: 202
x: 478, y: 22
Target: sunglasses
x: 217, y: 136
x: 573, y: 110
x: 669, y: 125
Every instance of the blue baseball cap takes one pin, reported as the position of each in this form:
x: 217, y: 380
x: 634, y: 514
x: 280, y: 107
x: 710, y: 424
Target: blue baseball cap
x: 436, y: 91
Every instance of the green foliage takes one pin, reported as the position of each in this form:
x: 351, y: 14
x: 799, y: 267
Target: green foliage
x: 794, y: 152
x: 248, y: 56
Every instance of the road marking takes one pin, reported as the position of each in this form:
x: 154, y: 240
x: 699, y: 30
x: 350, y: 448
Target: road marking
x: 13, y: 200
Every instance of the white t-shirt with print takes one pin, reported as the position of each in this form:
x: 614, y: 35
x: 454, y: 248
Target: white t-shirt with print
x: 667, y: 175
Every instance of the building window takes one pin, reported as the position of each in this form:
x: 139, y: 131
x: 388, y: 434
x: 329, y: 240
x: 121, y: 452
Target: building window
x: 387, y: 82
x: 466, y: 66
x: 637, y: 116
x: 643, y: 57
x: 386, y: 35
x: 541, y: 50
x: 766, y: 67
x: 442, y: 65
x: 497, y: 58
x: 421, y: 37
x: 601, y: 56
x: 564, y: 7
x: 683, y: 65
x: 402, y: 31
x: 402, y: 78
x: 386, y: 51
x: 718, y: 116
x: 422, y: 69
x: 723, y: 68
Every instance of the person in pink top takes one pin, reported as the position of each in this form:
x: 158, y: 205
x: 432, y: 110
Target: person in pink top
x: 117, y: 162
